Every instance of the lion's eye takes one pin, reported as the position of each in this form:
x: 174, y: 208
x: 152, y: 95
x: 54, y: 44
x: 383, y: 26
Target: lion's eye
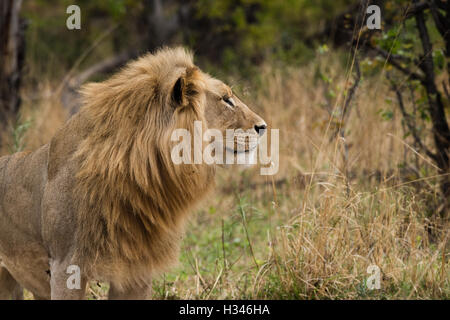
x: 229, y: 101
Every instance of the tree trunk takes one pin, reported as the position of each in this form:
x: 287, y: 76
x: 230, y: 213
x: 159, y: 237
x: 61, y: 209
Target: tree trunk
x: 12, y: 49
x: 441, y: 131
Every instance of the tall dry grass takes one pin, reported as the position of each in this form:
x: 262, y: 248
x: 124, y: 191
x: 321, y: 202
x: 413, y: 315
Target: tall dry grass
x: 312, y: 230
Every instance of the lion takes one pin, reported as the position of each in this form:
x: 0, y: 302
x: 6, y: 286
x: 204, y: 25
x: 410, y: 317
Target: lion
x: 103, y: 200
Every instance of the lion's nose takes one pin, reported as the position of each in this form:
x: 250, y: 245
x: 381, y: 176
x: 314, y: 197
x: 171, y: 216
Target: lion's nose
x: 261, y: 128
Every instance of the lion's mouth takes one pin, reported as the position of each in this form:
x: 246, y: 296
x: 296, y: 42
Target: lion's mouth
x: 239, y: 151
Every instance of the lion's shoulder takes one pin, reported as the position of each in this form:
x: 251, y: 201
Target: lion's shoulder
x: 65, y: 143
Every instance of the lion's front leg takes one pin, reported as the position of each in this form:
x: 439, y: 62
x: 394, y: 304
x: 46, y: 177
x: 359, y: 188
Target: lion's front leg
x: 67, y: 282
x: 143, y: 292
x: 9, y: 287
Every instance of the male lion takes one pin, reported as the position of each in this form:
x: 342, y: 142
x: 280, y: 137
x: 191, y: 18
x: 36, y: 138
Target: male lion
x: 104, y: 197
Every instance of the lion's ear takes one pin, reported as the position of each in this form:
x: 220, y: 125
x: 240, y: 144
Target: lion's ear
x: 179, y: 91
x: 187, y: 87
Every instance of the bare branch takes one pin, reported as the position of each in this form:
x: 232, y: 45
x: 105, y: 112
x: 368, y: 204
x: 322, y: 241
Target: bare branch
x: 104, y: 66
x: 348, y: 99
x: 396, y: 64
x: 69, y: 94
x: 410, y: 122
x: 353, y: 88
x: 416, y: 8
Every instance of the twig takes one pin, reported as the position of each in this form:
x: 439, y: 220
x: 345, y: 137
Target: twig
x: 85, y: 54
x: 352, y: 89
x: 223, y: 248
x: 412, y: 149
x: 395, y: 63
x: 104, y: 66
x: 409, y: 121
x: 244, y: 223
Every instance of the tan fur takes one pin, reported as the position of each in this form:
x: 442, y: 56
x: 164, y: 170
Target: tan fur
x: 105, y: 194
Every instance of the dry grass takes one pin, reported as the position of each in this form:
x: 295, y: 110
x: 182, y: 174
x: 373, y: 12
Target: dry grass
x: 312, y: 230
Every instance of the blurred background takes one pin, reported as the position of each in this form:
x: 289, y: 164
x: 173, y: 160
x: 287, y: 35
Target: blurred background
x: 363, y: 115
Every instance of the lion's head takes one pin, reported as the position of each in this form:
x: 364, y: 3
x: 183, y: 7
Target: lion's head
x: 225, y: 111
x: 161, y: 92
x: 233, y: 128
